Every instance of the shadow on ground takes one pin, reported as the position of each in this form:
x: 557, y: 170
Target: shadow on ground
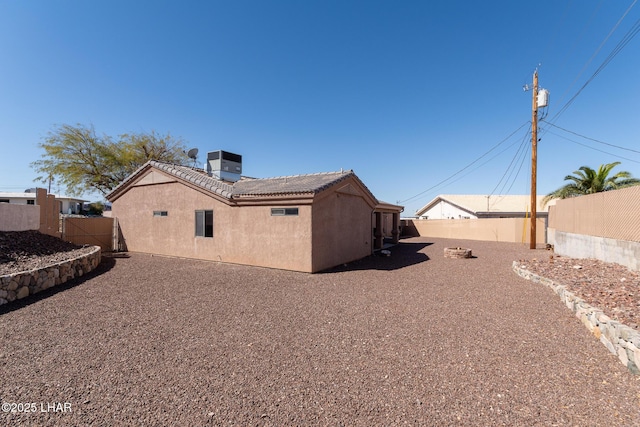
x: 402, y: 255
x: 106, y: 263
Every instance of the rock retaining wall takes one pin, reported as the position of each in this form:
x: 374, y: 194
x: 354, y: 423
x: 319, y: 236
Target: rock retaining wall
x: 621, y: 340
x: 20, y: 285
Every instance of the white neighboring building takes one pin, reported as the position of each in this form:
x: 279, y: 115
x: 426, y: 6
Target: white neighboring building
x: 67, y: 205
x: 451, y: 206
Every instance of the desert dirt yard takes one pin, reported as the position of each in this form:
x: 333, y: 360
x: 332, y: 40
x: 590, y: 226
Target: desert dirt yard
x: 414, y: 338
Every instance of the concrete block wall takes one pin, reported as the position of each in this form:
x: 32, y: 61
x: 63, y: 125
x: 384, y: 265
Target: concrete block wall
x: 605, y: 249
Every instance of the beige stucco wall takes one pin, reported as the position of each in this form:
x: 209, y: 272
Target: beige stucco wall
x: 515, y: 230
x: 19, y: 217
x: 243, y: 235
x: 49, y: 212
x: 341, y: 229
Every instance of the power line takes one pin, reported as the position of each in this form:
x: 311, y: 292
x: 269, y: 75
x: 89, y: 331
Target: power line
x: 485, y: 162
x: 509, y: 170
x: 584, y: 67
x: 625, y: 40
x: 559, y: 25
x: 595, y: 149
x: 524, y: 157
x: 593, y: 139
x: 464, y: 168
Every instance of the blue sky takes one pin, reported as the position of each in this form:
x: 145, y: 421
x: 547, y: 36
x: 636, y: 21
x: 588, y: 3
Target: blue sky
x: 405, y: 93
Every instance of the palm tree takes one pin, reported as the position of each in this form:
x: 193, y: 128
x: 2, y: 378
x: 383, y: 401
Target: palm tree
x: 588, y: 181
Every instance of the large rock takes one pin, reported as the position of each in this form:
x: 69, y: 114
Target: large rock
x: 23, y: 292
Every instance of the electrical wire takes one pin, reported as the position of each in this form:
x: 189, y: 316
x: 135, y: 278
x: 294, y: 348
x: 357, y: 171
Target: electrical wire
x: 524, y: 157
x: 510, y: 170
x: 464, y: 168
x: 593, y: 139
x: 559, y: 26
x: 482, y: 164
x: 527, y: 135
x: 517, y: 155
x: 584, y: 67
x: 595, y: 149
x: 635, y: 28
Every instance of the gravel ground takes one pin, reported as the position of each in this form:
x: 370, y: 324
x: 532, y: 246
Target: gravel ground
x: 414, y: 338
x: 611, y: 287
x: 27, y: 250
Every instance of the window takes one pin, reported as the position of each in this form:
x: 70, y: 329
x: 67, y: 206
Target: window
x: 160, y: 213
x: 284, y: 211
x: 204, y: 223
x: 31, y: 202
x: 4, y: 201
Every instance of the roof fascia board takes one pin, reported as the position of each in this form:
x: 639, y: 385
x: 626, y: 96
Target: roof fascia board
x: 204, y: 191
x: 174, y: 179
x: 428, y: 206
x: 389, y: 208
x: 354, y: 181
x: 463, y: 208
x: 294, y: 199
x: 124, y: 186
x: 438, y: 199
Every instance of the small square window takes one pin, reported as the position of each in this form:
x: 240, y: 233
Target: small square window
x: 284, y: 211
x: 160, y: 213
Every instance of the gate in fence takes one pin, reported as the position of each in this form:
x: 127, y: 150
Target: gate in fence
x: 98, y: 231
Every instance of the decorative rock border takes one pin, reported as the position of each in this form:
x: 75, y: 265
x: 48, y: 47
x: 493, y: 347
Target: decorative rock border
x: 620, y: 339
x: 20, y: 285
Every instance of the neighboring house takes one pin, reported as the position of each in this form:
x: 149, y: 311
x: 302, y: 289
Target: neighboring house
x: 452, y: 206
x: 304, y: 223
x: 66, y: 205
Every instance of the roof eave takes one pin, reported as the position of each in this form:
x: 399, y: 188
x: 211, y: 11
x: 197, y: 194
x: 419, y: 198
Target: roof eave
x: 121, y: 188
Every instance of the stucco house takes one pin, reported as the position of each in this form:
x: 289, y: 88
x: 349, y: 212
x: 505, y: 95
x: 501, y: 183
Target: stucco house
x: 65, y: 204
x: 453, y: 206
x: 304, y: 223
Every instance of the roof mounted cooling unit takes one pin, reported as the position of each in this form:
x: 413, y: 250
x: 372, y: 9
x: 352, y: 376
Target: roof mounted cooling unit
x: 224, y: 165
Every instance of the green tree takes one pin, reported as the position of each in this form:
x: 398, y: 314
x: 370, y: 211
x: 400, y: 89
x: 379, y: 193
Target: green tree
x: 82, y: 161
x: 588, y: 181
x: 96, y: 208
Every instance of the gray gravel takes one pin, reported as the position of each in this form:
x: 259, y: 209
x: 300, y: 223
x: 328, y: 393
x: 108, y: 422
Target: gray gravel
x: 414, y: 339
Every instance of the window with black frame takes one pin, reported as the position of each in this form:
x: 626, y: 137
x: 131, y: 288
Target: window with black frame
x: 204, y: 223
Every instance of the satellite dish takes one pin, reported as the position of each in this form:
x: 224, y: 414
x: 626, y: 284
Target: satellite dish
x: 193, y: 153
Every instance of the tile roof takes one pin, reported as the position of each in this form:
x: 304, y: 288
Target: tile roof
x: 196, y: 176
x: 296, y: 184
x: 284, y: 185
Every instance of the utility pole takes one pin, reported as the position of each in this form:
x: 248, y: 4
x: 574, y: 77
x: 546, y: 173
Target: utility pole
x: 534, y: 160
